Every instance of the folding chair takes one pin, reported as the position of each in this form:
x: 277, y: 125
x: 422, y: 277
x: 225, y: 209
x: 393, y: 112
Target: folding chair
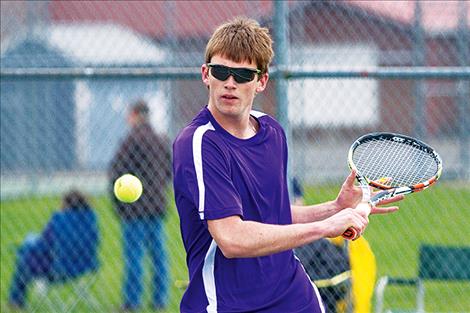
x: 50, y: 298
x: 436, y: 262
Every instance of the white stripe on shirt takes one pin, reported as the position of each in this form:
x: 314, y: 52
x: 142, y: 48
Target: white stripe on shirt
x: 209, y: 279
x: 197, y: 157
x: 315, y: 289
x: 257, y: 114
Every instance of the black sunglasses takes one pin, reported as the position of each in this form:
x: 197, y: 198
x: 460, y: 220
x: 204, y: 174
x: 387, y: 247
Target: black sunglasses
x: 240, y: 74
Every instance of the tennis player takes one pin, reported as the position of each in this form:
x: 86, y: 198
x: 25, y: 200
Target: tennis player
x: 230, y: 182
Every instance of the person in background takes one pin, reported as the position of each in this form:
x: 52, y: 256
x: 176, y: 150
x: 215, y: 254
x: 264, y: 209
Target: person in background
x: 298, y: 192
x: 146, y: 155
x: 326, y: 262
x: 65, y: 249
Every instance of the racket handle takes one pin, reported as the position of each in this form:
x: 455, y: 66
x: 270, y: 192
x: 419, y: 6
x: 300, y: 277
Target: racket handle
x: 350, y: 234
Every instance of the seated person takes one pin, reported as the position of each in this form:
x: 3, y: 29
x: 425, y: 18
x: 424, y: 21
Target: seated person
x: 326, y: 262
x: 65, y: 249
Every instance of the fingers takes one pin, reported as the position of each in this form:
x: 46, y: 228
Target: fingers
x: 392, y: 200
x: 359, y: 220
x: 352, y: 233
x: 386, y: 210
x: 350, y: 179
x: 347, y: 218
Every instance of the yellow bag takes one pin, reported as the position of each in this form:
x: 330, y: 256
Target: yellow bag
x: 364, y: 270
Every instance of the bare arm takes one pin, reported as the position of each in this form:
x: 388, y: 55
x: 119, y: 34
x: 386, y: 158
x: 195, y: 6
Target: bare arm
x: 348, y: 197
x: 311, y: 213
x: 240, y: 239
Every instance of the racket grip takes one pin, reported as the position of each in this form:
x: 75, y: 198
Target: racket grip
x: 350, y: 234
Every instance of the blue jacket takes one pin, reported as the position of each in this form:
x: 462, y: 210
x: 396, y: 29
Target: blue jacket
x: 73, y: 238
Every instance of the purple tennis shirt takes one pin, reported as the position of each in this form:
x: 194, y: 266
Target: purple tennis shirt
x: 217, y: 175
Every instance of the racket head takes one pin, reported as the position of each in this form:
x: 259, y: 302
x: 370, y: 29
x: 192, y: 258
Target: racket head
x: 389, y: 160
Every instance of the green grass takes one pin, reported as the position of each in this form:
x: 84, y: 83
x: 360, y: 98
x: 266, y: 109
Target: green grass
x: 18, y: 217
x: 440, y: 215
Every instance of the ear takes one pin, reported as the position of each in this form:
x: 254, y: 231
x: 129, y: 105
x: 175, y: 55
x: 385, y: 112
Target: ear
x: 205, y: 74
x: 262, y: 83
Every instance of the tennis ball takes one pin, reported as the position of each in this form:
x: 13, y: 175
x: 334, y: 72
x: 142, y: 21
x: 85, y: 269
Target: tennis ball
x: 127, y: 188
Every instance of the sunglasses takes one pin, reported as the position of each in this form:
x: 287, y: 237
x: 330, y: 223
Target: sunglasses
x: 240, y: 74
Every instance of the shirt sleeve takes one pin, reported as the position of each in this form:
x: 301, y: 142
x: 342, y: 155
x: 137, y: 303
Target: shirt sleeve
x: 215, y: 196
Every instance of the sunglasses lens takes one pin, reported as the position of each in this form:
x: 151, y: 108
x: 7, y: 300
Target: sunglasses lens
x: 220, y: 72
x: 241, y: 75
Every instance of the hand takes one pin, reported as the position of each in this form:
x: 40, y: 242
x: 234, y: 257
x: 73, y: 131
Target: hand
x: 350, y: 196
x: 352, y: 233
x: 338, y: 223
x: 385, y: 210
x: 387, y: 181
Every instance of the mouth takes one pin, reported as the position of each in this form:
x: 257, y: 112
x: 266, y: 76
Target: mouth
x: 229, y: 97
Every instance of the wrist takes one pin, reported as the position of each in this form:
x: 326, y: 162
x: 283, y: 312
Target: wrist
x: 317, y: 230
x: 336, y: 206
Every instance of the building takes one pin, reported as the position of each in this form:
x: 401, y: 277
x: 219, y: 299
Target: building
x: 64, y: 124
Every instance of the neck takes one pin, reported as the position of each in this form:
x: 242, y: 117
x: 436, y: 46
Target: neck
x: 243, y: 127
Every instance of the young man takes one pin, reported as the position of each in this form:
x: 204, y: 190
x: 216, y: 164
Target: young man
x: 230, y: 182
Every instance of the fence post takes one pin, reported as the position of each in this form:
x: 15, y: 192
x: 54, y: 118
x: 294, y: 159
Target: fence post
x: 419, y: 59
x: 281, y: 44
x: 170, y: 25
x: 463, y: 93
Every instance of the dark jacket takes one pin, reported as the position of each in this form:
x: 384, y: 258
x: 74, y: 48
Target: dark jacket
x: 323, y: 259
x: 67, y: 247
x: 146, y: 155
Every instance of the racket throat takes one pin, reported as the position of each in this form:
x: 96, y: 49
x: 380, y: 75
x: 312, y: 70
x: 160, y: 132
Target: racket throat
x: 365, y: 193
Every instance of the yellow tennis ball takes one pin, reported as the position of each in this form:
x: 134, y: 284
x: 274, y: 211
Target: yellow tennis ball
x: 127, y: 188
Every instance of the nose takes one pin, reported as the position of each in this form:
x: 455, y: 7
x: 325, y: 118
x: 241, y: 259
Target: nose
x: 230, y: 82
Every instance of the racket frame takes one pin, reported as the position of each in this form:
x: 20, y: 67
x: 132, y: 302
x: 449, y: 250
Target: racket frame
x: 401, y: 139
x: 389, y: 191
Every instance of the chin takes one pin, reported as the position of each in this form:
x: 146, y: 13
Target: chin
x: 228, y: 109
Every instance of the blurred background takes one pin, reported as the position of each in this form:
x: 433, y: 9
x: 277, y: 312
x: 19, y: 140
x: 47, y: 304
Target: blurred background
x: 71, y: 69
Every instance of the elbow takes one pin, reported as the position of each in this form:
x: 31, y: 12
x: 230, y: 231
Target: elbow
x: 231, y: 249
x: 228, y: 254
x: 231, y: 237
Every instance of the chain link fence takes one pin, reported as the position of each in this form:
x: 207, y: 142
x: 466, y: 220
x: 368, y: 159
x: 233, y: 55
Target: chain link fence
x: 70, y: 71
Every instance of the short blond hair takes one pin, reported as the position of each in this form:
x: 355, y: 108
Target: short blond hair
x: 242, y: 39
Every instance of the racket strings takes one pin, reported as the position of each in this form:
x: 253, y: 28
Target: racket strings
x: 393, y: 163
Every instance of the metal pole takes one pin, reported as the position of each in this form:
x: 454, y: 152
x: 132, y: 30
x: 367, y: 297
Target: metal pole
x: 419, y: 58
x: 463, y: 95
x: 280, y: 25
x: 172, y: 110
x: 287, y: 73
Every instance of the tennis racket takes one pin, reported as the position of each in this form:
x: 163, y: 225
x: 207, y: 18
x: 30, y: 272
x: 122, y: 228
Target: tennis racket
x: 394, y: 163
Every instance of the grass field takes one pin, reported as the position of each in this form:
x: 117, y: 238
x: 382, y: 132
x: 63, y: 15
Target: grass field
x: 441, y: 216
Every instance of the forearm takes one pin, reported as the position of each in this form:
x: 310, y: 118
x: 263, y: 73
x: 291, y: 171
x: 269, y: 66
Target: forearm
x: 312, y: 213
x: 253, y: 239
